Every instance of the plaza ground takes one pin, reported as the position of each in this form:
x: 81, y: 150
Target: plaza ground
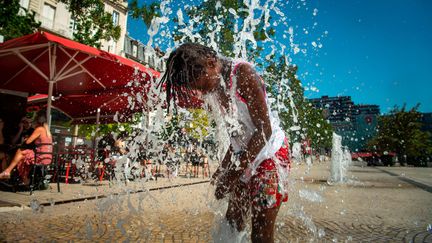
x: 376, y: 204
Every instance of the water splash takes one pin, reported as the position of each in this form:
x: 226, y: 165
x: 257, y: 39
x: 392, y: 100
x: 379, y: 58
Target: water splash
x: 36, y: 206
x: 311, y: 196
x: 155, y: 117
x: 340, y: 160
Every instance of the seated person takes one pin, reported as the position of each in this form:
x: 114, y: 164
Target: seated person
x: 2, y: 152
x: 24, y: 158
x: 25, y: 129
x: 105, y: 146
x: 122, y: 162
x: 120, y: 144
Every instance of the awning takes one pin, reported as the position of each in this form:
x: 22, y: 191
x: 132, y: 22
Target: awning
x: 49, y: 64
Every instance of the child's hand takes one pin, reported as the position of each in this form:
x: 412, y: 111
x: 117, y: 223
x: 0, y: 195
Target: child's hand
x: 222, y: 188
x: 219, y: 180
x: 215, y: 177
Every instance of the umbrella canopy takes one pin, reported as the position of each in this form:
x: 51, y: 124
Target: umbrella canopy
x: 46, y: 63
x: 111, y: 106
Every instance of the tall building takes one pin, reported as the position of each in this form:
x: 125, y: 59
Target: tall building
x: 426, y: 121
x: 366, y: 123
x: 336, y: 109
x: 55, y: 17
x: 355, y: 123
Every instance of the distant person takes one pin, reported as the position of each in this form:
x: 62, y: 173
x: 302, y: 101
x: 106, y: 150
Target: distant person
x: 2, y: 147
x: 195, y: 158
x: 205, y: 164
x: 121, y: 158
x: 120, y: 143
x: 105, y: 146
x: 253, y: 173
x: 25, y: 129
x: 24, y: 158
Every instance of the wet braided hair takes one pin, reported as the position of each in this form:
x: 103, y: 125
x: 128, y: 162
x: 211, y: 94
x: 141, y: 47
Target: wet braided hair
x: 184, y: 66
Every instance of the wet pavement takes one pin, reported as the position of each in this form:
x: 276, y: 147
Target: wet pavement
x: 376, y: 204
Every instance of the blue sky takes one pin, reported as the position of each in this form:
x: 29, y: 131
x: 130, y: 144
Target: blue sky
x: 376, y: 51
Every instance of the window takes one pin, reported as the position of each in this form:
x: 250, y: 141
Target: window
x: 24, y: 4
x: 115, y: 18
x: 72, y: 25
x: 112, y: 46
x: 134, y: 50
x: 48, y: 14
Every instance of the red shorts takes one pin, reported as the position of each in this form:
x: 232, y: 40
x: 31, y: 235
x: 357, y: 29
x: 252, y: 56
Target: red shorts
x: 265, y: 189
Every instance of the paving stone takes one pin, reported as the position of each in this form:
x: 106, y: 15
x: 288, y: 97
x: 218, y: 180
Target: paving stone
x: 169, y: 215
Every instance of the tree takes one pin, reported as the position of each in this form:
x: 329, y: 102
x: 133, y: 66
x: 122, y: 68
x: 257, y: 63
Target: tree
x: 93, y: 24
x: 199, y: 124
x: 218, y: 21
x: 400, y: 132
x: 16, y: 21
x: 299, y: 118
x: 213, y: 20
x: 88, y: 131
x: 144, y: 12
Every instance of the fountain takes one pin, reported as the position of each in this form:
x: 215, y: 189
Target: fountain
x: 256, y: 14
x: 340, y: 160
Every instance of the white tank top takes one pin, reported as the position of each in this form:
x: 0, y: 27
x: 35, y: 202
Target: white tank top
x: 240, y: 125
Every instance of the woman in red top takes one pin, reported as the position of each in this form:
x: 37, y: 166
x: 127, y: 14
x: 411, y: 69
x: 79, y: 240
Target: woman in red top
x: 24, y: 158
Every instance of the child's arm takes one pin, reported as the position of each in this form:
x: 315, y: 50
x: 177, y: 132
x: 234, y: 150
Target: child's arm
x: 252, y: 90
x: 222, y: 167
x: 221, y: 178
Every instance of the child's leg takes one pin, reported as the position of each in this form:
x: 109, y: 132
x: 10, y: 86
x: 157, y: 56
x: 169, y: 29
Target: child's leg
x: 263, y: 221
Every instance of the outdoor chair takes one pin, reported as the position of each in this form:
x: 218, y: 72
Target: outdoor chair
x: 66, y: 167
x: 104, y: 165
x: 39, y: 171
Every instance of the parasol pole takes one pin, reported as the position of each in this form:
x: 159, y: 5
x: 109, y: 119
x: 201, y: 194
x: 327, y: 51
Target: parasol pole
x: 75, y: 135
x: 97, y: 121
x: 49, y: 105
x: 51, y: 81
x: 96, y: 132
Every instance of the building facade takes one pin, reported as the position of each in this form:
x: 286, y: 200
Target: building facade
x: 357, y: 124
x: 139, y: 52
x: 426, y: 122
x: 55, y: 17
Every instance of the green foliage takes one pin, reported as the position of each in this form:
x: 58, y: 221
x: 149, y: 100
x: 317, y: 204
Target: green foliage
x: 400, y: 132
x: 198, y: 125
x: 93, y: 24
x: 299, y: 118
x: 145, y: 12
x: 208, y: 16
x: 88, y: 131
x: 211, y: 16
x: 171, y: 128
x: 13, y: 24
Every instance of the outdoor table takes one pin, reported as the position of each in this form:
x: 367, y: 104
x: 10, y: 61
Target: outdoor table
x: 67, y: 154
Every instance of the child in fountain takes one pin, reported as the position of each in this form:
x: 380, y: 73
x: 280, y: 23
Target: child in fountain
x: 254, y: 170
